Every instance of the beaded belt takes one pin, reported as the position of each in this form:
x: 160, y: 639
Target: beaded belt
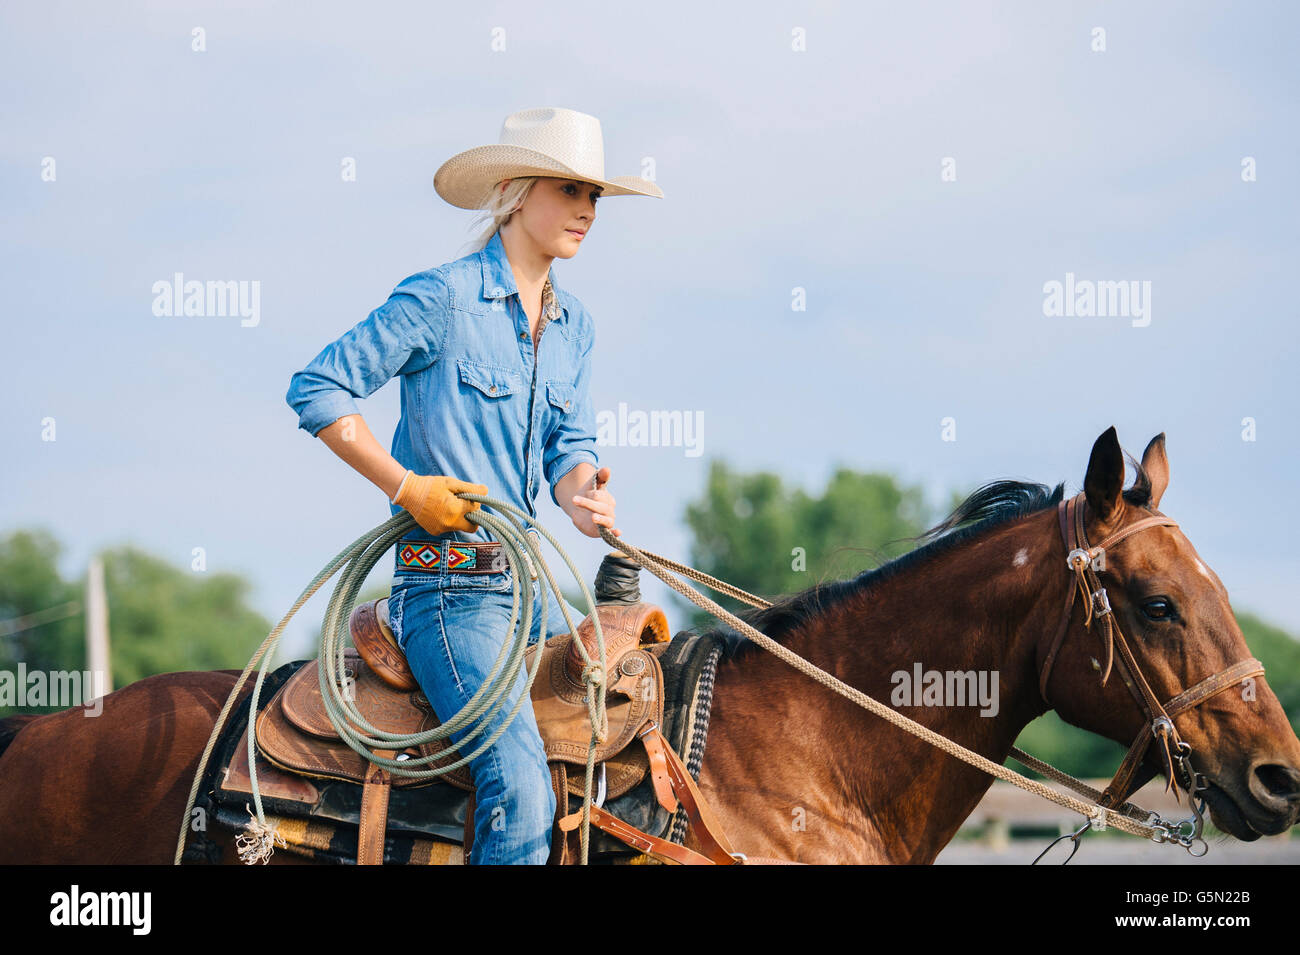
x: 454, y: 557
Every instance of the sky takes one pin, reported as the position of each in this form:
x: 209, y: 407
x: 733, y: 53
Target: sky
x: 864, y: 206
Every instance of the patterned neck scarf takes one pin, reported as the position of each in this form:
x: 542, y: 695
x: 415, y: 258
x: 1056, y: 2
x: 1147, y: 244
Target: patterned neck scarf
x: 550, y: 308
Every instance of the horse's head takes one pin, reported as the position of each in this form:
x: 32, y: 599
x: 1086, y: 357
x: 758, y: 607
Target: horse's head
x: 1174, y: 613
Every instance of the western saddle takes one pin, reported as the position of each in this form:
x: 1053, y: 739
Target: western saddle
x: 294, y: 732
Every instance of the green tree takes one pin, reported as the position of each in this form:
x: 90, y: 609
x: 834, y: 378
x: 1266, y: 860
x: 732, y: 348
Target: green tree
x: 1280, y: 654
x: 161, y: 618
x: 752, y: 531
x: 41, y: 611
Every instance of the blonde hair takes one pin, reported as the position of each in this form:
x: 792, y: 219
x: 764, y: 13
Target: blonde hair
x: 500, y: 206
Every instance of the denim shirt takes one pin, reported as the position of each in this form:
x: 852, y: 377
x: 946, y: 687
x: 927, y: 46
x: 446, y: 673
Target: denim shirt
x: 476, y: 404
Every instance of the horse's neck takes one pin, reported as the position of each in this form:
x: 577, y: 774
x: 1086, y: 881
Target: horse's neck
x: 982, y: 607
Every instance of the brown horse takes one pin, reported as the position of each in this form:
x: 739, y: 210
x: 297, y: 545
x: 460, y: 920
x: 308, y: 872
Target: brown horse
x: 791, y: 769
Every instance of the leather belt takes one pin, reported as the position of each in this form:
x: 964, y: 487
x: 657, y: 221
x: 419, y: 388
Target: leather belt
x: 452, y: 557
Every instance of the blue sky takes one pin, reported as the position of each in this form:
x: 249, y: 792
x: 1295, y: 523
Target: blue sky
x: 817, y: 169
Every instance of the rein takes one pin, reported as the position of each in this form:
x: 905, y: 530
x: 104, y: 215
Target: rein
x: 1103, y: 808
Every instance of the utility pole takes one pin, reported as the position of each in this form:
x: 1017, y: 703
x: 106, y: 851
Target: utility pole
x: 97, y: 660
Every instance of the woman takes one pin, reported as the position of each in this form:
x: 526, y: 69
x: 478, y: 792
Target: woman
x: 495, y: 360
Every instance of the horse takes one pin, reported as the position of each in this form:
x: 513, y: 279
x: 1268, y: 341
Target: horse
x: 791, y: 769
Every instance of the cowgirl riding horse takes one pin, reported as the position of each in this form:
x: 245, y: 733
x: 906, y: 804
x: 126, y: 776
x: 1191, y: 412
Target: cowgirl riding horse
x: 495, y: 361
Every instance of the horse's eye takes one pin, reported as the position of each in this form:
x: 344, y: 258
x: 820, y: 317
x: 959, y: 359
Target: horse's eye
x: 1158, y: 608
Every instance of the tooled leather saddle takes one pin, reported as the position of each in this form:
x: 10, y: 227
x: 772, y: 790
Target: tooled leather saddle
x: 299, y: 748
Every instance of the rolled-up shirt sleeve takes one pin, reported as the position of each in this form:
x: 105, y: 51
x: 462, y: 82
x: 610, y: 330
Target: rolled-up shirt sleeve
x: 403, y: 335
x: 573, y: 440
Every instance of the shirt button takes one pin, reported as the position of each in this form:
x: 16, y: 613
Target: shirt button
x: 523, y: 334
x: 566, y: 405
x: 492, y: 390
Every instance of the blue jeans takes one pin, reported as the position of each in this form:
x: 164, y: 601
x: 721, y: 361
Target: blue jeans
x: 451, y: 627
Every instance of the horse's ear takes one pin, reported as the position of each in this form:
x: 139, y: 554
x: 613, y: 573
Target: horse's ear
x: 1156, y: 464
x: 1104, y: 482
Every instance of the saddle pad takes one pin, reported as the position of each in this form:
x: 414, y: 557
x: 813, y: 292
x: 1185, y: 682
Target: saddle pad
x: 325, y: 841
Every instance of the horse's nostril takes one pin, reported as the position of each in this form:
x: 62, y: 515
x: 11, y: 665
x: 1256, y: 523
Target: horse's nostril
x: 1280, y: 781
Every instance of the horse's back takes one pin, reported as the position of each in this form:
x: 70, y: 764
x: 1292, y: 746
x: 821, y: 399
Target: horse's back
x: 10, y: 727
x: 108, y: 785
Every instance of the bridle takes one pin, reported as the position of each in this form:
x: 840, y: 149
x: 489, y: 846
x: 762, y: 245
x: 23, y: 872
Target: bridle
x: 1158, y: 726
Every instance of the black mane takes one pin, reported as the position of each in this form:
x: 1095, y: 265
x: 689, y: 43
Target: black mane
x: 989, y: 506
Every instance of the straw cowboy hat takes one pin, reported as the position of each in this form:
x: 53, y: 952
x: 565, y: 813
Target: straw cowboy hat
x: 547, y: 141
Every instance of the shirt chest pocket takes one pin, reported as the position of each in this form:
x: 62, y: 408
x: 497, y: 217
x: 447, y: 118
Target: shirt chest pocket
x: 560, y: 394
x: 491, y: 381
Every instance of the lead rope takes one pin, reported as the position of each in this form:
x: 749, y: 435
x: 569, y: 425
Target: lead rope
x: 1099, y: 817
x: 258, y: 840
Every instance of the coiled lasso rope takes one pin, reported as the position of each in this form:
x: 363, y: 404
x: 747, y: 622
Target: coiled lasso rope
x: 257, y: 842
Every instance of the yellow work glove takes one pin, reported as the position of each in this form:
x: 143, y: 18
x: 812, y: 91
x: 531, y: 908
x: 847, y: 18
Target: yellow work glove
x: 432, y: 501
